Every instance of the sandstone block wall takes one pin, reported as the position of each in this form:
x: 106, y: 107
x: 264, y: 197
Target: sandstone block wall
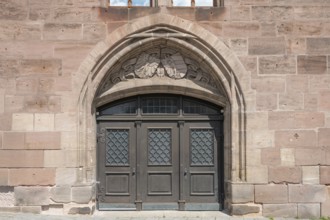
x: 283, y: 45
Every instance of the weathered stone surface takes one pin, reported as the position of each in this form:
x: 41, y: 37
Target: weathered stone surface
x: 311, y: 175
x: 296, y: 138
x: 266, y: 46
x: 287, y: 157
x: 31, y: 196
x: 325, y: 175
x: 268, y: 29
x: 298, y: 120
x: 268, y: 84
x: 270, y: 157
x: 44, y: 122
x: 13, y: 140
x: 57, y: 31
x: 22, y: 122
x: 297, y: 83
x: 267, y: 102
x: 310, y: 102
x: 43, y: 140
x: 324, y: 103
x: 66, y: 176
x: 280, y: 210
x: 80, y: 211
x: 324, y: 137
x: 239, y: 45
x: 13, y: 9
x: 242, y: 193
x: 272, y: 13
x: 318, y: 45
x: 309, y: 211
x: 244, y: 209
x: 284, y: 174
x: 296, y: 45
x: 271, y: 194
x: 211, y: 14
x: 310, y: 156
x: 31, y: 177
x: 310, y: 13
x: 312, y: 64
x: 61, y: 194
x: 94, y: 32
x: 3, y: 177
x: 238, y: 29
x: 20, y: 31
x: 240, y: 13
x: 291, y: 101
x: 325, y: 206
x: 31, y: 209
x: 23, y: 158
x: 82, y: 194
x: 14, y: 104
x: 27, y: 85
x: 277, y: 65
x: 307, y: 193
x: 41, y: 67
x: 261, y: 139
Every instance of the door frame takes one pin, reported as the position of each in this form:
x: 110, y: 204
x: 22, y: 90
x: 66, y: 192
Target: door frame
x: 140, y: 119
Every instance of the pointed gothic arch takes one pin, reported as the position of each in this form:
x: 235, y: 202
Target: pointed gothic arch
x: 105, y: 76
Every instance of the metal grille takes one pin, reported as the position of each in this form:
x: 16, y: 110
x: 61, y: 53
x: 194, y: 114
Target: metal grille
x: 117, y: 147
x: 159, y: 144
x: 202, y: 146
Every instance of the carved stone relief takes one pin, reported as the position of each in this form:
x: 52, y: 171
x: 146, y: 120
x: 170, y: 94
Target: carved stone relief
x: 160, y: 62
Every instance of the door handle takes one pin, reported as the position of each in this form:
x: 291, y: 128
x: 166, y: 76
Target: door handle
x: 133, y: 171
x: 185, y: 172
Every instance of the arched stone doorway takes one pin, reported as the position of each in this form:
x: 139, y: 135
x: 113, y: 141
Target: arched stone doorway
x: 211, y: 75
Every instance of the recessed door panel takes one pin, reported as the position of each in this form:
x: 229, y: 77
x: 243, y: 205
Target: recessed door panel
x: 159, y: 171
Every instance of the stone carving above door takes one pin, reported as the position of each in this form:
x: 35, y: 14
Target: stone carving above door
x: 159, y: 62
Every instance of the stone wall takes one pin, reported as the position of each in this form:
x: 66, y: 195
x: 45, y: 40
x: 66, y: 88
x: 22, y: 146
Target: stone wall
x: 284, y: 47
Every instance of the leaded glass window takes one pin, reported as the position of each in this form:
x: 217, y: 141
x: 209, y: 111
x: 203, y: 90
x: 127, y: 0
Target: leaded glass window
x: 159, y: 146
x: 145, y: 3
x: 117, y: 147
x: 159, y: 105
x: 193, y: 107
x: 123, y: 108
x: 202, y: 147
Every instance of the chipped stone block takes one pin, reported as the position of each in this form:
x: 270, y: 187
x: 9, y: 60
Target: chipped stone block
x: 307, y: 193
x: 31, y: 196
x: 80, y: 211
x: 82, y: 194
x: 311, y: 175
x: 309, y: 211
x: 312, y: 64
x: 61, y: 194
x: 7, y: 198
x: 242, y: 193
x: 284, y: 174
x: 271, y: 194
x: 280, y: 210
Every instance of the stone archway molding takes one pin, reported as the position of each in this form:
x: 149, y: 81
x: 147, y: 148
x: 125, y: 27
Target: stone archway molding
x: 140, y: 35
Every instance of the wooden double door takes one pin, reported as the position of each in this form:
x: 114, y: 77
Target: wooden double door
x: 159, y: 165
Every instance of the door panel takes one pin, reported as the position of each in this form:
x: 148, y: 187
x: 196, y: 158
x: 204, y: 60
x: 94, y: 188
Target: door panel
x: 117, y: 149
x: 201, y: 162
x: 160, y: 164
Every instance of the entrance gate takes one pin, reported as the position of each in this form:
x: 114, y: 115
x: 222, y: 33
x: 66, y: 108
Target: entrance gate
x: 160, y: 152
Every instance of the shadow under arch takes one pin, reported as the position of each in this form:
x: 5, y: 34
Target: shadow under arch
x: 189, y: 39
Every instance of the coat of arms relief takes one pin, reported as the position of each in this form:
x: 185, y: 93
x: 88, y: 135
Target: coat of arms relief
x: 160, y: 62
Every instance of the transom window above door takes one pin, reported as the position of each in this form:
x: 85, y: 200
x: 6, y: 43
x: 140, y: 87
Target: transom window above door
x: 174, y: 3
x: 160, y: 105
